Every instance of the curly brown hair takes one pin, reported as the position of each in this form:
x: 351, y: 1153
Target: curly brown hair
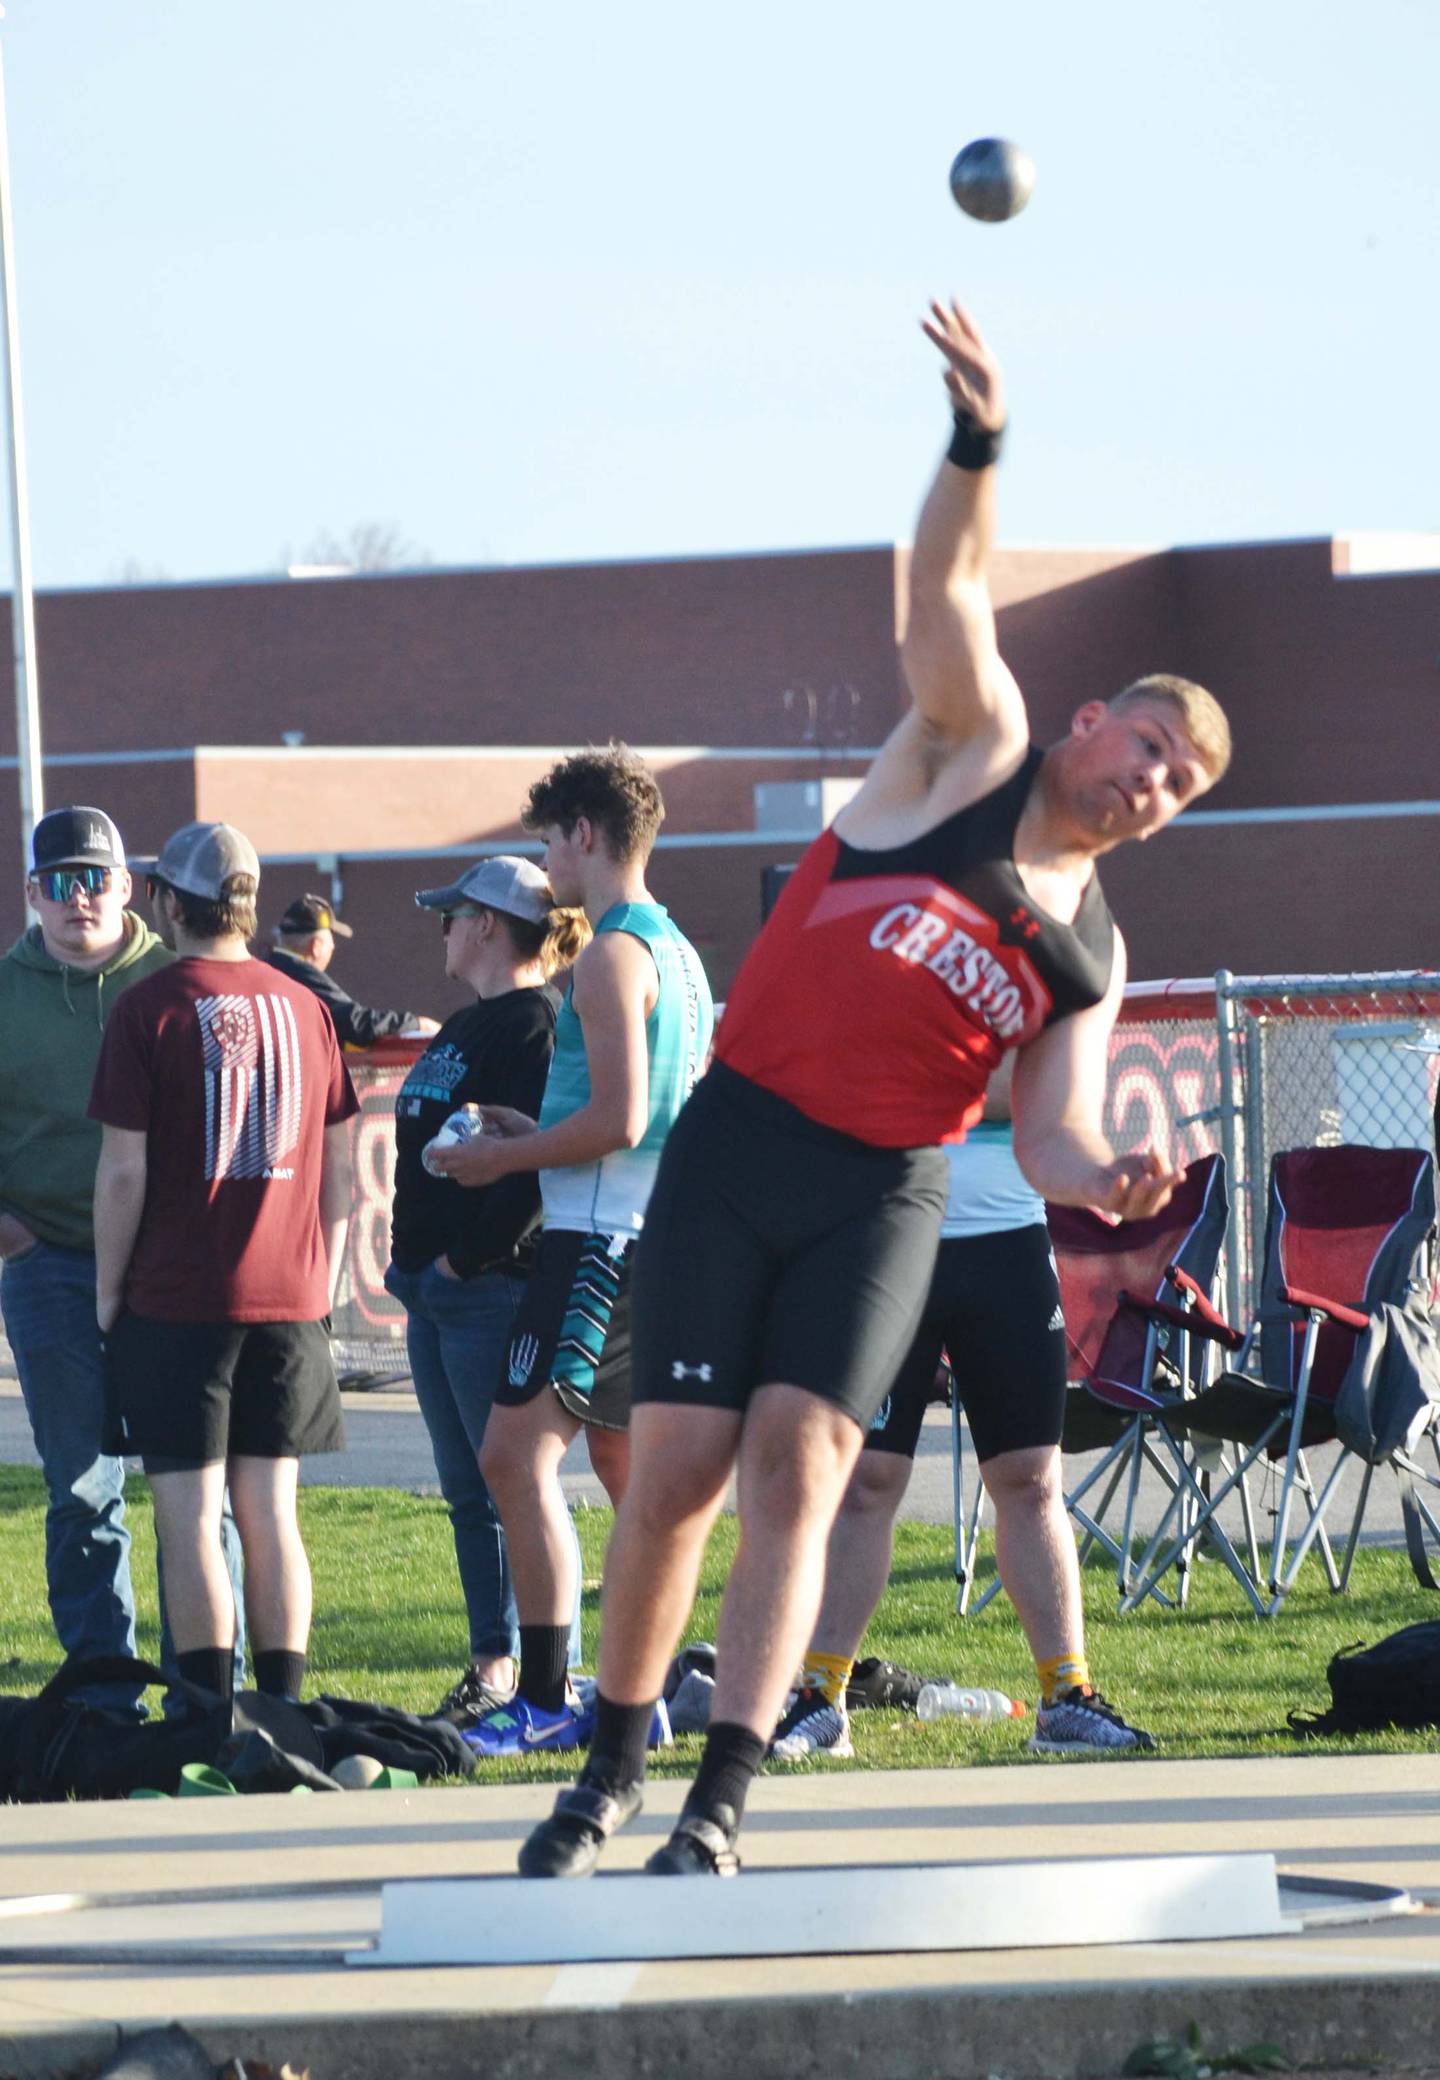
x: 612, y: 788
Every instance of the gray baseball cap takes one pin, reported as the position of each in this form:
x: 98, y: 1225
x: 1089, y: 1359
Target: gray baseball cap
x: 506, y: 882
x: 201, y: 857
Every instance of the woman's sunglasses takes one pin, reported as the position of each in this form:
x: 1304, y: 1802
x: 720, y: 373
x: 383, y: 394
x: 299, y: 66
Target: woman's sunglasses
x: 448, y: 917
x: 60, y: 883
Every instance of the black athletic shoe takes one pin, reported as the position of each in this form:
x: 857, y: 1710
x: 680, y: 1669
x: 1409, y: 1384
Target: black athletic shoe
x: 882, y: 1686
x: 470, y: 1700
x: 698, y: 1848
x: 568, y: 1844
x: 1082, y: 1722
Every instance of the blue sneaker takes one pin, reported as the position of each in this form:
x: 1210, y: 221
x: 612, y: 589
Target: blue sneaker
x: 520, y: 1728
x: 661, y: 1734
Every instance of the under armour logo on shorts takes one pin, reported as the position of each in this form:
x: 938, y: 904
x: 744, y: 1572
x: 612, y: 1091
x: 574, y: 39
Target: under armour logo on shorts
x: 704, y: 1373
x: 523, y: 1353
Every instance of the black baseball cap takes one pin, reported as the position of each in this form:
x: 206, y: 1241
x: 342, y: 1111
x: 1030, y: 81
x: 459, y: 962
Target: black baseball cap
x: 75, y: 838
x: 313, y: 914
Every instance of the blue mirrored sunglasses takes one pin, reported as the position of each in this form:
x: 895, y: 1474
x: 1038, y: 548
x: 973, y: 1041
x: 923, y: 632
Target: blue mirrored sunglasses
x: 58, y: 884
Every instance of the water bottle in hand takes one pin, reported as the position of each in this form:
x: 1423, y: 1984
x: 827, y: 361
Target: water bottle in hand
x: 960, y: 1701
x: 461, y: 1126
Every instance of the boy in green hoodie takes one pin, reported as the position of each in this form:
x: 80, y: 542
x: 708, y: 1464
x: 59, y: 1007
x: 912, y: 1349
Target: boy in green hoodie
x: 57, y: 985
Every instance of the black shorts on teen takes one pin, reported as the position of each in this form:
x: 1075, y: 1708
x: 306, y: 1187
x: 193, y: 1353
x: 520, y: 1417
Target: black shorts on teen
x: 994, y: 1307
x: 777, y: 1249
x: 572, y: 1329
x: 180, y: 1395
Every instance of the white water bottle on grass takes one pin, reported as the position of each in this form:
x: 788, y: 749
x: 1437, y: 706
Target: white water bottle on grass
x: 960, y: 1701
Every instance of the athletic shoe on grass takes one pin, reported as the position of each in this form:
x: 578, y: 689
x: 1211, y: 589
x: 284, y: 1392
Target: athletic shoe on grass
x: 470, y: 1699
x: 1081, y: 1722
x: 520, y: 1728
x: 813, y: 1727
x: 877, y: 1685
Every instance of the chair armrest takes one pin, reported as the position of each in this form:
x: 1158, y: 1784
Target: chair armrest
x: 1202, y: 1304
x: 1347, y: 1317
x: 1191, y: 1321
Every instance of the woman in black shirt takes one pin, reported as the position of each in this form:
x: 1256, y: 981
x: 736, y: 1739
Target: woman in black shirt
x: 459, y: 1257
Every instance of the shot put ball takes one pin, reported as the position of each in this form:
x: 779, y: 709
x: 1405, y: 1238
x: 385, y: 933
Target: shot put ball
x: 992, y: 179
x: 356, y: 1772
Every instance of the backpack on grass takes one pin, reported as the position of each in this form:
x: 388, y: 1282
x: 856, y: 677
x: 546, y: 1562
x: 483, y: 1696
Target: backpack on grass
x: 1394, y: 1683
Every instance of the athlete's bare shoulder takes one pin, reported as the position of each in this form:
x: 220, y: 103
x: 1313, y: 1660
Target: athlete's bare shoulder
x: 923, y: 773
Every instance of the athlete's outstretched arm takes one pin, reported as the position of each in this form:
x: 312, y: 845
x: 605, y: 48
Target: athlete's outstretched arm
x: 957, y: 679
x: 1058, y: 1096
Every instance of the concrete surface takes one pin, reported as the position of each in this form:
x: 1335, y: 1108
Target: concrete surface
x: 260, y: 1975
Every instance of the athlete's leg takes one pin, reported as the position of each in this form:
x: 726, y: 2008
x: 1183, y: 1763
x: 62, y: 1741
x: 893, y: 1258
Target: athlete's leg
x: 198, y: 1593
x: 1035, y: 1550
x: 680, y: 1463
x: 609, y: 1459
x: 796, y: 1455
x: 857, y: 1561
x: 277, y: 1570
x: 520, y: 1460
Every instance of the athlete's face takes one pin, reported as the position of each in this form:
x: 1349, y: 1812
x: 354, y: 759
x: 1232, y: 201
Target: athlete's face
x: 81, y: 926
x: 564, y: 852
x: 1130, y: 770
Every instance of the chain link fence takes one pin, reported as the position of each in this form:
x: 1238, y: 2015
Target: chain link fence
x: 1314, y: 1061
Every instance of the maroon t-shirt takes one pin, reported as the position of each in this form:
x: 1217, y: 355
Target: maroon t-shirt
x: 232, y: 1072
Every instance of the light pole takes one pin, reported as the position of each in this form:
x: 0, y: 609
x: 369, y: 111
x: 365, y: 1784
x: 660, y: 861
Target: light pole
x: 22, y: 604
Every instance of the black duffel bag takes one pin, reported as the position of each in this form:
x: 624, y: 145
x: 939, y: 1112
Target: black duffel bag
x: 1394, y: 1683
x: 54, y: 1747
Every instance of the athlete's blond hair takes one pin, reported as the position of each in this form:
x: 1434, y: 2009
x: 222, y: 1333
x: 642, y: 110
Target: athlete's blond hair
x: 1201, y: 714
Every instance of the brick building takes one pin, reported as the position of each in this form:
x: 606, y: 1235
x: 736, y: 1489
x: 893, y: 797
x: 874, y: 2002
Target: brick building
x: 425, y: 703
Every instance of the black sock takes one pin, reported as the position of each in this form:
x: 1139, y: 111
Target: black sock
x: 213, y: 1668
x: 279, y: 1673
x: 732, y: 1758
x: 618, y: 1745
x: 544, y: 1655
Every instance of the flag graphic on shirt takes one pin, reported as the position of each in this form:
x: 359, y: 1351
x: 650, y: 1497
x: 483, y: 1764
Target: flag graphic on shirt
x: 252, y: 1083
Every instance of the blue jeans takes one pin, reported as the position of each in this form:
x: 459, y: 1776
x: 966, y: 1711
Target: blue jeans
x: 456, y: 1333
x: 47, y: 1296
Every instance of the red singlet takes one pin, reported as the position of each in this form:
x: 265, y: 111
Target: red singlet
x: 886, y: 985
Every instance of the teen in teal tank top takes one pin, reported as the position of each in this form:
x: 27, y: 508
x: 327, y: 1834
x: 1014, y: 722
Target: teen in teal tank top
x: 609, y: 1196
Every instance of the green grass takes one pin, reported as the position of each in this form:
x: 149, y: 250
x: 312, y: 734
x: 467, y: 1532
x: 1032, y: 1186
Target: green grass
x: 1209, y: 1681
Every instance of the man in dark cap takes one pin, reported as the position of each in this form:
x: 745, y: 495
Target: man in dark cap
x: 304, y: 948
x: 59, y: 983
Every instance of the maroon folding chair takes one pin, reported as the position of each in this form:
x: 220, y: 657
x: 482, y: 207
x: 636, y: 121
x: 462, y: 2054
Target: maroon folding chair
x: 1348, y: 1230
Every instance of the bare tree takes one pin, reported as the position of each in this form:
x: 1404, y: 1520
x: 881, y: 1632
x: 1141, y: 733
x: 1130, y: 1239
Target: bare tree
x: 370, y: 545
x: 134, y: 571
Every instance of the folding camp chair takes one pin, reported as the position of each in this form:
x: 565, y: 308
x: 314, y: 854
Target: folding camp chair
x: 1137, y: 1327
x: 1348, y: 1231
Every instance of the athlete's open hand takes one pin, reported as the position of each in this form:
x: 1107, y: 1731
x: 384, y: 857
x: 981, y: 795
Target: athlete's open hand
x: 1135, y: 1186
x: 972, y: 374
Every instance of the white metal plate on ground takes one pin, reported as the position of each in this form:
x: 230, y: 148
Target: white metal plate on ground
x: 828, y: 1912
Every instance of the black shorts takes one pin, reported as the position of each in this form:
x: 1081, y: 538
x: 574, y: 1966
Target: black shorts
x: 572, y: 1329
x: 776, y: 1249
x: 188, y: 1394
x: 994, y: 1307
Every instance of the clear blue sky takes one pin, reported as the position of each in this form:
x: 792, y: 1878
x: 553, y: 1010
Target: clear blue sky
x: 553, y: 283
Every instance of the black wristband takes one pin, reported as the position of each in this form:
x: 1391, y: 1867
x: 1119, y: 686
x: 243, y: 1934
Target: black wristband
x: 972, y: 446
